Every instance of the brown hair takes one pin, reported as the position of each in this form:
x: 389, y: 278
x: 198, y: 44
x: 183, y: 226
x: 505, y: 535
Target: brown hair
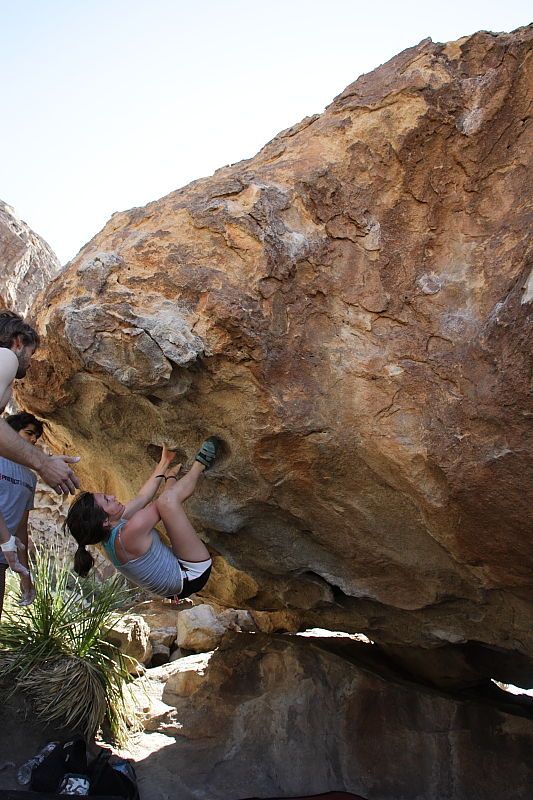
x: 85, y: 522
x: 12, y: 325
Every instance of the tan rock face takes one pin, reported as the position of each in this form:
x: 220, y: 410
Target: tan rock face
x: 131, y: 634
x: 199, y: 629
x: 349, y: 311
x: 28, y: 263
x: 279, y: 717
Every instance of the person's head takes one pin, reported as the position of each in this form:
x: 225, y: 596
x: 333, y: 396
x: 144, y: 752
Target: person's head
x: 20, y: 337
x: 26, y: 425
x: 89, y: 520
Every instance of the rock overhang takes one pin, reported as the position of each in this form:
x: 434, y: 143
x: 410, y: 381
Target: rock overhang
x: 346, y: 310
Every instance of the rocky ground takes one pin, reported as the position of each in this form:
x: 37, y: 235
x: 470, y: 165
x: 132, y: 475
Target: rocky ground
x: 281, y: 715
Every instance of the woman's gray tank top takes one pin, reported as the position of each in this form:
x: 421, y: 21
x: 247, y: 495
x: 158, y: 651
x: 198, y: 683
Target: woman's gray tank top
x: 158, y: 570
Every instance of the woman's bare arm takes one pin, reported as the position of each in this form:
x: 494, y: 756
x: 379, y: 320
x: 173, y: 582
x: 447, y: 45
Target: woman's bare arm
x: 148, y: 490
x: 135, y: 534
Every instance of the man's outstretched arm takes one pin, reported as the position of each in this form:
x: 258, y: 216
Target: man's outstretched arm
x: 54, y: 470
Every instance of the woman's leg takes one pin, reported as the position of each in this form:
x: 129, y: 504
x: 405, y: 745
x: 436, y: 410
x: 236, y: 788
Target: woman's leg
x: 186, y: 543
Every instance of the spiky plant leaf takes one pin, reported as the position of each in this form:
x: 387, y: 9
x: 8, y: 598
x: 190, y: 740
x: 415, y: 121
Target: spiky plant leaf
x: 56, y: 650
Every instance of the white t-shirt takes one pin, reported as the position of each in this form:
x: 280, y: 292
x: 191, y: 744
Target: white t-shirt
x: 9, y: 365
x: 17, y: 483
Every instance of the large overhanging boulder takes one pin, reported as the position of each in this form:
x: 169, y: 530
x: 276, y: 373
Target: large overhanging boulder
x: 349, y: 312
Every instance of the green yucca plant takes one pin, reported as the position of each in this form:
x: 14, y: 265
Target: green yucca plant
x: 55, y: 650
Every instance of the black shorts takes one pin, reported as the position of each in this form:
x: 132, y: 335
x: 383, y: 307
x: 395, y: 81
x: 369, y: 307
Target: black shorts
x: 194, y: 585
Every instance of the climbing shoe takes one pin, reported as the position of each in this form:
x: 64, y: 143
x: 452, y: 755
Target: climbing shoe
x: 207, y: 453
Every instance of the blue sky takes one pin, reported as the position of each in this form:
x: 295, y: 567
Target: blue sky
x: 108, y: 104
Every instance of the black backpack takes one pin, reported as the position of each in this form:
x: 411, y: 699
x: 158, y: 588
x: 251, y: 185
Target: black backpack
x: 105, y: 777
x: 116, y: 777
x: 66, y: 757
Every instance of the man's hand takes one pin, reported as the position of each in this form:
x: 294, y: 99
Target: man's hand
x: 55, y: 471
x: 28, y: 590
x: 11, y: 551
x: 11, y: 555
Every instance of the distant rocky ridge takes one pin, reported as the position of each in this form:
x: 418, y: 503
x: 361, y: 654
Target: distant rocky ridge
x: 28, y: 262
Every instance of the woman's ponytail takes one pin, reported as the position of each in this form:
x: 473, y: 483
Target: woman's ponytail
x: 85, y: 522
x: 83, y: 561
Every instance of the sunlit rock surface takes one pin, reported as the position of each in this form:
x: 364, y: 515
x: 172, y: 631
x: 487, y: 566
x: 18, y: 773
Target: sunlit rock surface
x: 349, y: 311
x: 27, y: 262
x: 275, y: 717
x: 131, y: 634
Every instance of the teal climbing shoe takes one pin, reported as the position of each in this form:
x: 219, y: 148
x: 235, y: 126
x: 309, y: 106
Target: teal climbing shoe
x: 207, y: 453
